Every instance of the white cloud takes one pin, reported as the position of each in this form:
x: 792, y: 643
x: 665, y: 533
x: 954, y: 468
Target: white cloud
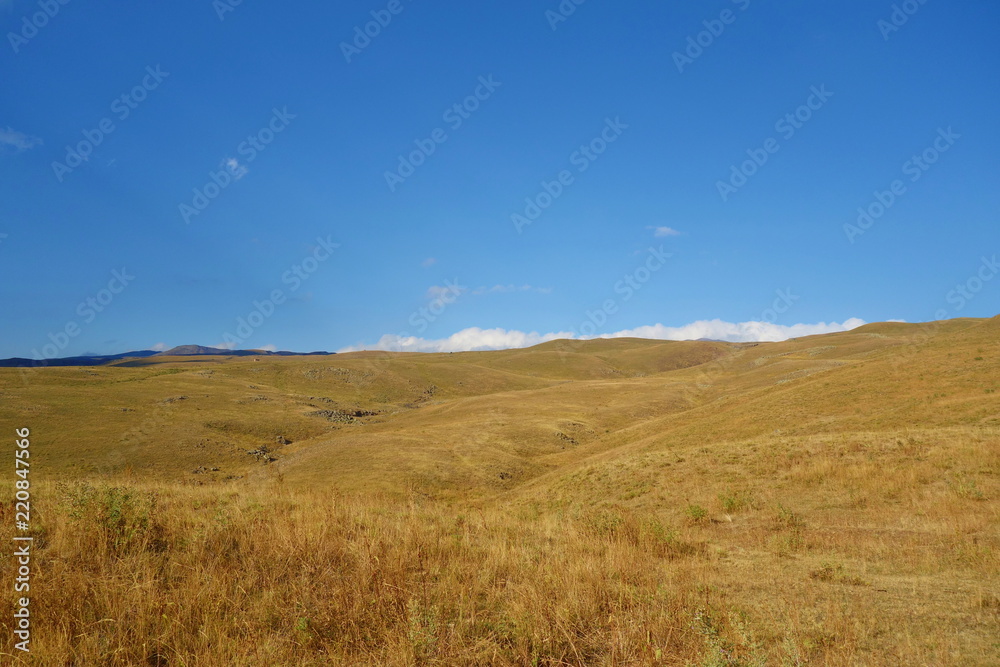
x: 475, y: 338
x: 224, y: 346
x: 735, y: 332
x: 268, y: 348
x: 429, y: 262
x: 235, y: 167
x: 446, y: 292
x: 451, y: 289
x: 500, y: 289
x: 465, y: 340
x: 160, y: 347
x: 664, y: 231
x: 19, y: 141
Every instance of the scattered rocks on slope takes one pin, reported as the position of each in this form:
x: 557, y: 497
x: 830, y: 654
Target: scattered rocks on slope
x: 337, y: 416
x: 342, y: 416
x: 351, y: 376
x: 173, y: 399
x: 262, y: 453
x: 565, y: 438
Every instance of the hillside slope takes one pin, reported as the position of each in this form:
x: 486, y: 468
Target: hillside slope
x: 827, y: 500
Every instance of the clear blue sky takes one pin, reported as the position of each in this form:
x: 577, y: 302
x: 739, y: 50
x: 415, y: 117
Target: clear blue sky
x: 442, y: 239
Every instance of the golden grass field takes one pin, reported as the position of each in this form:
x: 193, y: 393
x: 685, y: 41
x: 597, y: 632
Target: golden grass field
x: 830, y: 500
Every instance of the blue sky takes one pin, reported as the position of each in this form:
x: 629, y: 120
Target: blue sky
x: 628, y: 125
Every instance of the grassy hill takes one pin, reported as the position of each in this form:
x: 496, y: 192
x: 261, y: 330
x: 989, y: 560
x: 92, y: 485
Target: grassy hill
x: 825, y: 500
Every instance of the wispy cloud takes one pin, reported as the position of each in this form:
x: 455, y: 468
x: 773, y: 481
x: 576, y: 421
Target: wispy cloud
x: 501, y: 289
x: 235, y: 167
x: 160, y: 347
x: 17, y: 141
x: 475, y: 338
x: 452, y: 289
x: 660, y: 232
x: 268, y: 348
x: 429, y: 262
x: 448, y: 291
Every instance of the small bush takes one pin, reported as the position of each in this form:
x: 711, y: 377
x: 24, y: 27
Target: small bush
x: 119, y: 517
x: 786, y: 518
x: 696, y: 513
x: 834, y: 573
x: 965, y: 487
x: 736, y: 501
x: 791, y: 525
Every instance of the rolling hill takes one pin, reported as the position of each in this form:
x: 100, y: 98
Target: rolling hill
x: 823, y: 500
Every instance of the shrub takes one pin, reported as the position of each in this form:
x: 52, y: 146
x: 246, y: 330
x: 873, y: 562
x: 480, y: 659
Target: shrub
x: 120, y: 518
x: 696, y: 513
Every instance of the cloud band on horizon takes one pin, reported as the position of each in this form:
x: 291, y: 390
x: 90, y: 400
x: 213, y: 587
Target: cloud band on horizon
x: 477, y: 339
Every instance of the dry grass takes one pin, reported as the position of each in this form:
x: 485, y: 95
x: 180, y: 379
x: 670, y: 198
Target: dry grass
x: 216, y: 577
x: 135, y: 574
x: 826, y: 501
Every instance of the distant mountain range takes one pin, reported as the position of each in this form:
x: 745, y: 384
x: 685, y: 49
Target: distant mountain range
x: 179, y: 351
